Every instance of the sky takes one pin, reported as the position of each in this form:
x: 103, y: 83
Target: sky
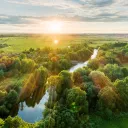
x: 63, y: 16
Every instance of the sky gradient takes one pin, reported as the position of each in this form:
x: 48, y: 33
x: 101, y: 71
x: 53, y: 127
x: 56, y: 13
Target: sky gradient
x: 76, y: 16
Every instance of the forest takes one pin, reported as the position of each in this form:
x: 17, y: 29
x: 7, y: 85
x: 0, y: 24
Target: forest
x: 89, y: 96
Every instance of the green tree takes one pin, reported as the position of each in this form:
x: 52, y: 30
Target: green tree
x: 40, y: 76
x: 1, y: 74
x: 1, y: 123
x: 66, y: 79
x: 99, y: 79
x: 80, y: 75
x: 122, y: 89
x: 27, y: 65
x: 93, y: 64
x: 113, y: 71
x: 12, y: 97
x: 108, y: 98
x: 76, y: 100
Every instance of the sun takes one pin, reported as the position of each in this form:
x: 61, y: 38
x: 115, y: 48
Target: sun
x: 56, y: 41
x: 55, y: 26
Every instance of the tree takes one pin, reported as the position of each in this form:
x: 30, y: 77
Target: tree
x: 17, y: 63
x: 1, y: 74
x: 113, y: 71
x: 56, y: 82
x: 99, y: 79
x: 1, y: 123
x: 4, y: 111
x: 76, y: 100
x: 80, y: 75
x: 2, y: 66
x: 122, y: 89
x: 16, y: 122
x: 3, y: 94
x: 36, y: 80
x: 22, y: 56
x: 125, y: 71
x: 64, y: 117
x: 64, y: 64
x: 84, y: 54
x: 40, y: 76
x: 108, y: 98
x: 27, y: 65
x: 66, y: 79
x: 12, y: 97
x: 93, y: 64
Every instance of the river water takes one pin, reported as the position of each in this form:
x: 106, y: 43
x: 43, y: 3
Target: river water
x: 82, y: 64
x: 34, y: 113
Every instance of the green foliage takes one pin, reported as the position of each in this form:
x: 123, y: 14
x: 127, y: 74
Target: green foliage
x: 108, y: 98
x: 1, y: 74
x: 40, y: 76
x: 64, y: 64
x: 3, y: 94
x: 7, y: 101
x: 16, y: 122
x: 66, y: 79
x: 93, y: 64
x: 1, y: 123
x: 22, y: 56
x: 125, y: 71
x: 4, y: 111
x: 76, y: 100
x: 113, y: 71
x: 48, y: 122
x: 55, y: 81
x: 35, y: 81
x: 122, y: 88
x: 12, y: 97
x: 99, y: 79
x: 27, y: 65
x: 80, y: 75
x: 17, y: 64
x: 2, y: 66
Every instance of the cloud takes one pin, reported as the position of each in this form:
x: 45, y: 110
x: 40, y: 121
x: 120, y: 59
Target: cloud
x: 102, y: 17
x: 4, y: 19
x: 98, y: 3
x: 61, y: 4
x: 75, y: 10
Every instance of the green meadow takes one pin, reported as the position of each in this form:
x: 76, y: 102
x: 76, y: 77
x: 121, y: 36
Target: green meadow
x: 21, y: 43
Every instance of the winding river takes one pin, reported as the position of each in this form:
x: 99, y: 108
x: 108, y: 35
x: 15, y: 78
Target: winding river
x: 33, y: 114
x: 82, y: 64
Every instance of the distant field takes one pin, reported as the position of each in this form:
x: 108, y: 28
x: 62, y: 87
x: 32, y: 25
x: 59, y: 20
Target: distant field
x: 20, y: 43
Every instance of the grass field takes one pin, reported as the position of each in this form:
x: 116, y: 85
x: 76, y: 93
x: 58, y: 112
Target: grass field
x: 20, y: 43
x: 115, y: 123
x: 13, y: 81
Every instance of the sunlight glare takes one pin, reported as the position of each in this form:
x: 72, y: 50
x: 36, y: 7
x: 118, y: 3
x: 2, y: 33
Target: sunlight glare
x: 56, y: 41
x: 55, y: 26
